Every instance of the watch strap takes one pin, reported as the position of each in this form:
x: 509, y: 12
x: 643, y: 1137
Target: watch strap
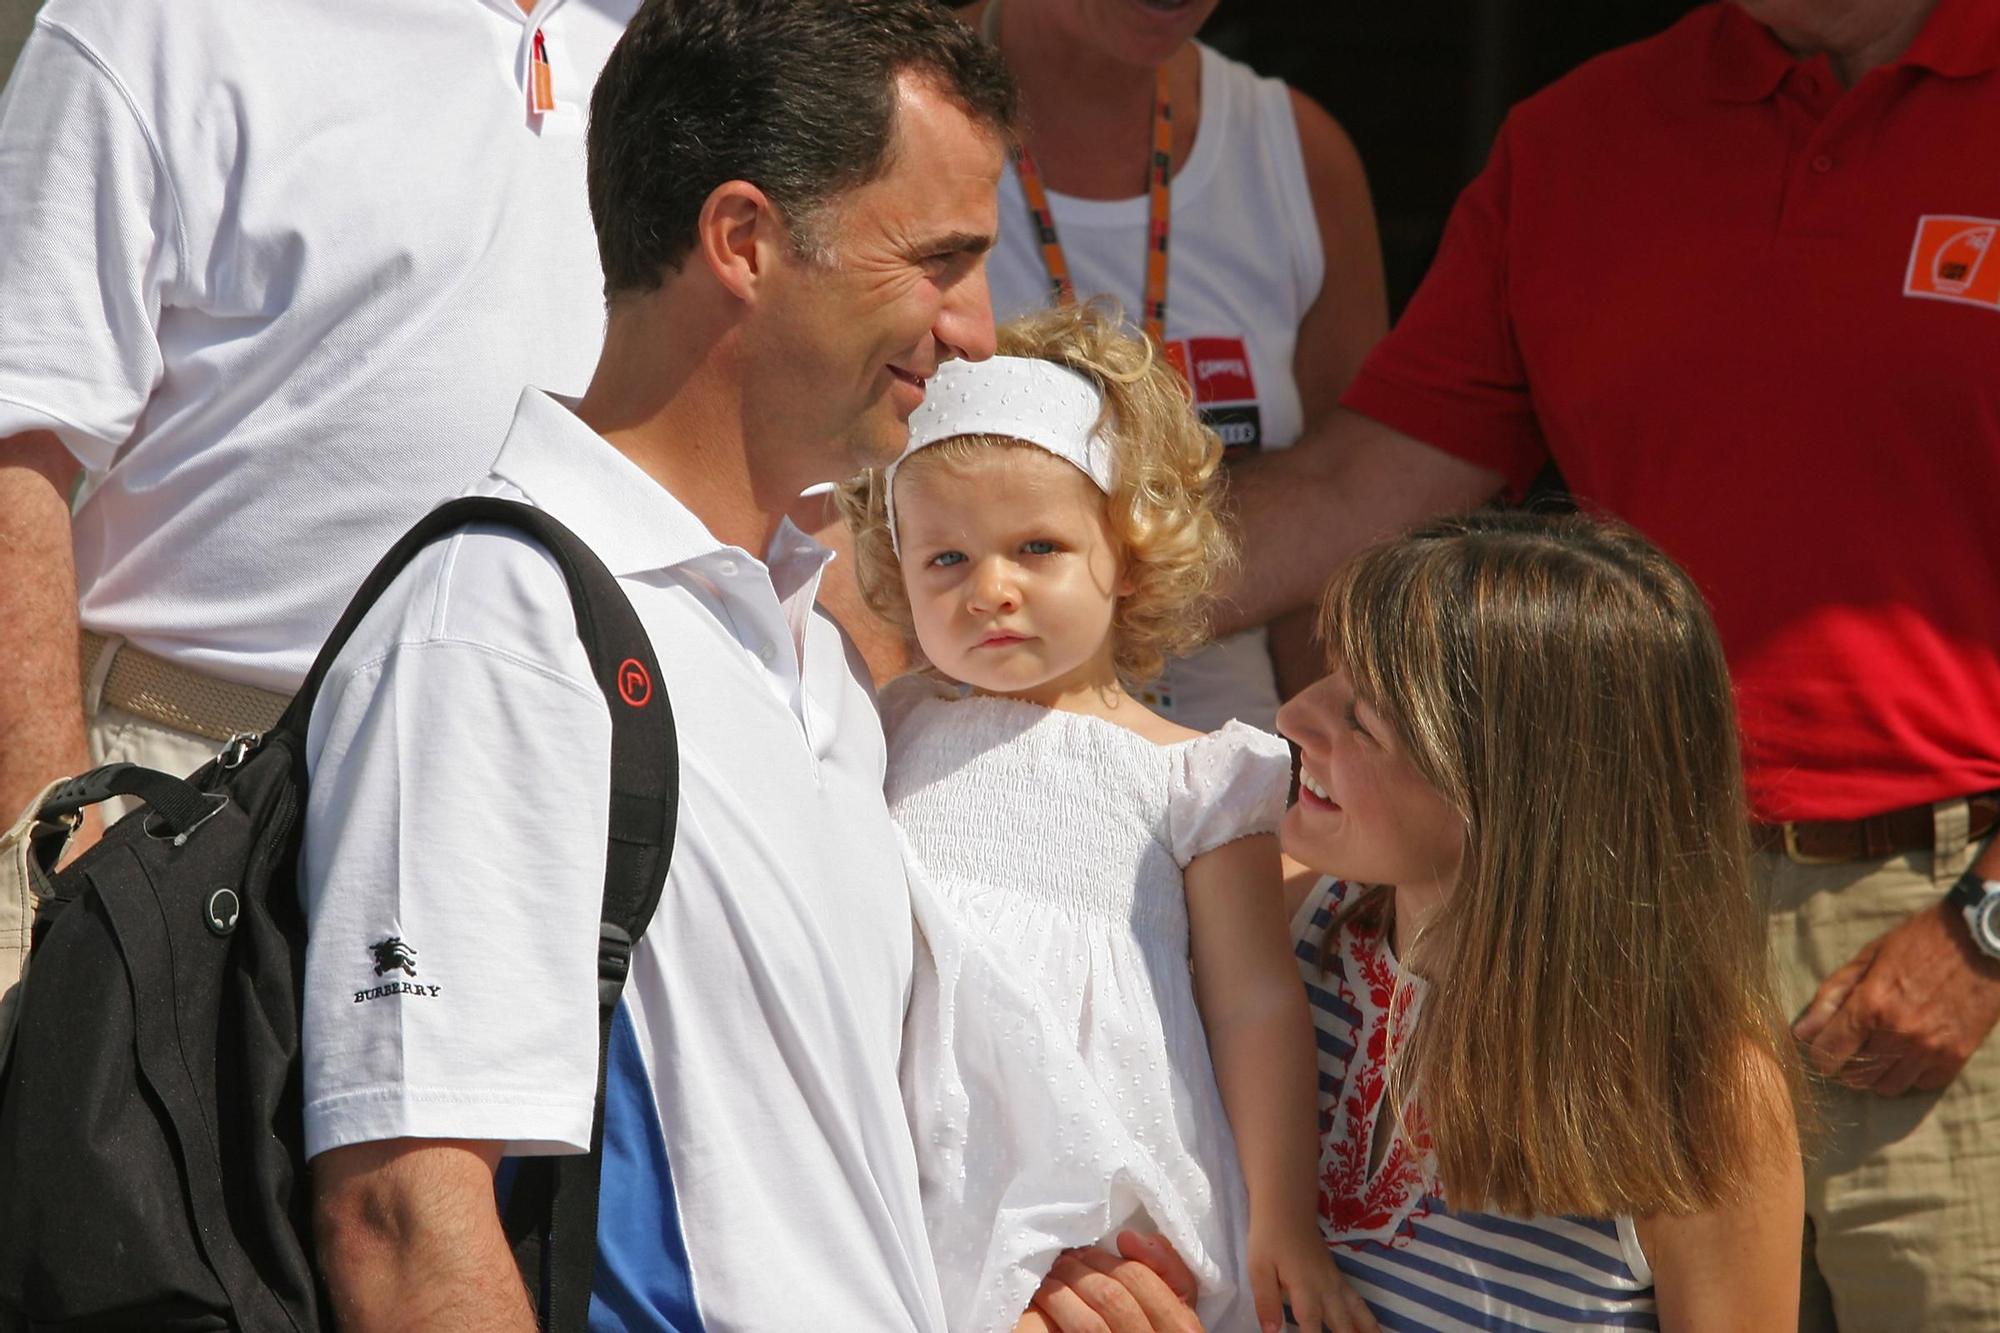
x: 1968, y: 890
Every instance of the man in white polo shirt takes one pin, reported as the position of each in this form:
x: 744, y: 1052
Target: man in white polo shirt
x: 793, y: 199
x: 272, y: 273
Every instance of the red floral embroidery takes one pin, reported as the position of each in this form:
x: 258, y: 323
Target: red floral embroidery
x: 1353, y: 1204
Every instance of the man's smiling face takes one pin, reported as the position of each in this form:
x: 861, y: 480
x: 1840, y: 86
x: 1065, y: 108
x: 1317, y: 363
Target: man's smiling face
x: 899, y: 286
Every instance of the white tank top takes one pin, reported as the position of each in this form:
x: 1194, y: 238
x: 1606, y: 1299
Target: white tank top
x: 1243, y: 266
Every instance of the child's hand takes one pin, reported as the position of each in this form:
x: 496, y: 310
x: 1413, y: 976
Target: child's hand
x: 1297, y: 1264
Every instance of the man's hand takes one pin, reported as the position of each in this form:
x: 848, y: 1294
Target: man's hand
x: 1908, y: 1011
x: 1144, y: 1288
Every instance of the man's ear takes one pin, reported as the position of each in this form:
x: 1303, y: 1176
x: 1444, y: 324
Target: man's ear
x: 738, y: 235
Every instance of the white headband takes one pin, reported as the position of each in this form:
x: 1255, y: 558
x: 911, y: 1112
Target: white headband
x: 1022, y: 398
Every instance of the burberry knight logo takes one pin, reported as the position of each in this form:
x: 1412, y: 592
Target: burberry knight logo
x: 390, y: 955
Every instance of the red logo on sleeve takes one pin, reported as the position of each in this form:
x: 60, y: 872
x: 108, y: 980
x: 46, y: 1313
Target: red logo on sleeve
x: 635, y: 685
x: 1952, y: 260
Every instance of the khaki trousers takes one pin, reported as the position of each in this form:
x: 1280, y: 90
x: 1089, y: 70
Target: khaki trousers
x: 1902, y: 1193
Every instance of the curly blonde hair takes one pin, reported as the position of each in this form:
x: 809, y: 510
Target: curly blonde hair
x: 1162, y: 510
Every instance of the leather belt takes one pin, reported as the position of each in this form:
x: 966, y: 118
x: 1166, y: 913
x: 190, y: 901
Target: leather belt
x: 153, y: 688
x: 1911, y: 829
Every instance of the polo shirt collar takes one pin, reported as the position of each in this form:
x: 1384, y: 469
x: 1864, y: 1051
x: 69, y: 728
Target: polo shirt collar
x: 633, y: 523
x: 1745, y: 62
x: 1961, y: 39
x: 542, y: 10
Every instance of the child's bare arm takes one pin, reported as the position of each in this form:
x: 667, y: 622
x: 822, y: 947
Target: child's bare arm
x: 1735, y: 1269
x: 1260, y: 1040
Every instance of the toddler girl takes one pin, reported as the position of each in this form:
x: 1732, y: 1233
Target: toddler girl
x: 1114, y: 990
x: 1556, y: 1088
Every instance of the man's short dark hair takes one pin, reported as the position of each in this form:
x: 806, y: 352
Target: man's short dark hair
x: 798, y: 97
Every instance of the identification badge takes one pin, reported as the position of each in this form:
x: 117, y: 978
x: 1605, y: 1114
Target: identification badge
x: 1225, y: 391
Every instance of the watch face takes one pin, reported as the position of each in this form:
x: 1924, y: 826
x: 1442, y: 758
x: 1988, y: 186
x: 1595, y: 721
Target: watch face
x: 1985, y: 921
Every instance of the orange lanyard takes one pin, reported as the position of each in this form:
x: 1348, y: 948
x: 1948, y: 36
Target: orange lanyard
x: 1159, y: 171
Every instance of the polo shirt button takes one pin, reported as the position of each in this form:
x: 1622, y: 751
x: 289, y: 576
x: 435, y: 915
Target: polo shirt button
x: 726, y: 567
x: 766, y: 652
x: 1822, y: 164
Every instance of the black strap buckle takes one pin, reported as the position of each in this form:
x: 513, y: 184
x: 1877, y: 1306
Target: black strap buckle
x: 614, y: 962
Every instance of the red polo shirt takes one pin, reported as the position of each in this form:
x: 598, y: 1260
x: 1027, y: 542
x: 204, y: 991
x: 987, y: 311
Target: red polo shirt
x: 1758, y: 317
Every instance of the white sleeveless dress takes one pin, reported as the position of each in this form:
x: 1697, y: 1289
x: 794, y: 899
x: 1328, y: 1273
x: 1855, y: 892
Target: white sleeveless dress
x: 1057, y: 1073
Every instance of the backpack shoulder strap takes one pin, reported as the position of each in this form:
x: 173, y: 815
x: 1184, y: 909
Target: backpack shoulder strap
x: 645, y: 759
x: 555, y: 1198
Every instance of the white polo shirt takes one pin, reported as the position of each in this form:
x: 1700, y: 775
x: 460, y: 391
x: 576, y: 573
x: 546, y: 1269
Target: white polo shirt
x: 275, y: 271
x: 453, y: 868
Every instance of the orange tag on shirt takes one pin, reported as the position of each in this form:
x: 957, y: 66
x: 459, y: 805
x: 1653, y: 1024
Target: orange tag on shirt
x: 1952, y: 259
x: 541, y: 80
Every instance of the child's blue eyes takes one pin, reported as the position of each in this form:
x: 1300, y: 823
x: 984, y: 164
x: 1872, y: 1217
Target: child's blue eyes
x: 1039, y: 546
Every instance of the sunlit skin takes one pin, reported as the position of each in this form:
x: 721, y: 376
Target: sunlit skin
x: 1138, y: 33
x: 1086, y: 70
x: 902, y: 289
x: 1013, y: 577
x: 1365, y: 813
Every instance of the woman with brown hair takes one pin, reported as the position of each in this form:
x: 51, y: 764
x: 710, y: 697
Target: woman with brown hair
x: 1557, y: 1090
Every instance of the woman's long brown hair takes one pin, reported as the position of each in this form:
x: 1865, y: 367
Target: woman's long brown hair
x: 1600, y: 1034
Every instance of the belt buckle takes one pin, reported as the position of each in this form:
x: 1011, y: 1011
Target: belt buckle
x: 1797, y: 856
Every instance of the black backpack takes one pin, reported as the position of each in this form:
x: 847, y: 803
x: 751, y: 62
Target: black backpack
x: 151, y: 1165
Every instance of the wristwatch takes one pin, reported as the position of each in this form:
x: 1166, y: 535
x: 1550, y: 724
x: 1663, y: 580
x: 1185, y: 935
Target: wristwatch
x: 1979, y: 899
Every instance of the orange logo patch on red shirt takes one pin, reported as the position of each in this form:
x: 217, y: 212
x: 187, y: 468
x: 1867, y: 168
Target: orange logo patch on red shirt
x: 1952, y: 260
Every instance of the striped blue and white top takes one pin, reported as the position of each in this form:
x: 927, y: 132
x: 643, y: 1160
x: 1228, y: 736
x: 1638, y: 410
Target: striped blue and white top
x: 1419, y: 1265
